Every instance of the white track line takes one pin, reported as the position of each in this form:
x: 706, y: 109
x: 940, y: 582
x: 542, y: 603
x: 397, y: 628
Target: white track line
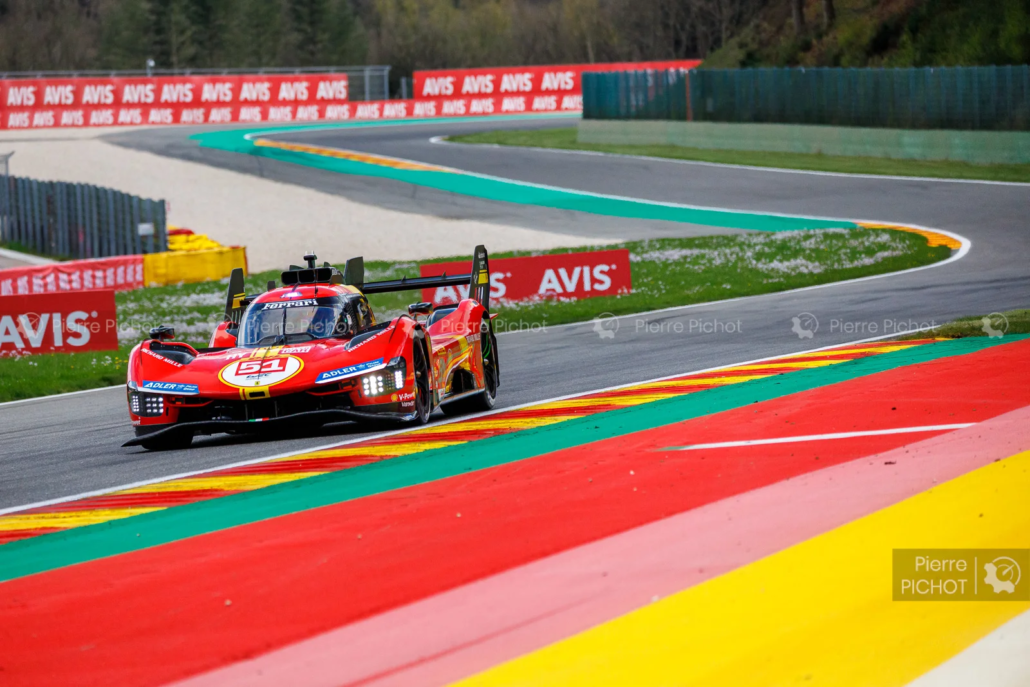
x: 821, y: 437
x: 337, y: 444
x: 67, y: 393
x: 442, y: 140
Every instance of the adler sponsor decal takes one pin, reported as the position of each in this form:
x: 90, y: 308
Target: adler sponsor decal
x: 437, y: 85
x: 170, y: 388
x: 350, y: 371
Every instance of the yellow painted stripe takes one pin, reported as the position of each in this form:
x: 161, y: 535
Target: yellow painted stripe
x: 76, y: 518
x: 933, y: 238
x: 514, y: 423
x: 819, y: 613
x: 797, y: 364
x: 368, y: 158
x: 382, y: 451
x: 226, y: 483
x: 848, y: 351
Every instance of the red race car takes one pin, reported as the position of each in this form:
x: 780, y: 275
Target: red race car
x: 311, y: 352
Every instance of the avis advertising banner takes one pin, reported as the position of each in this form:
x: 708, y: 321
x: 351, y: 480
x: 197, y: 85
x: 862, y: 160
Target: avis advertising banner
x: 556, y: 81
x: 567, y: 275
x: 58, y: 323
x: 122, y: 273
x: 79, y: 102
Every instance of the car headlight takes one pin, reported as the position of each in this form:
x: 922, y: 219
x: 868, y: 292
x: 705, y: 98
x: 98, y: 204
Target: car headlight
x: 146, y: 405
x: 385, y: 381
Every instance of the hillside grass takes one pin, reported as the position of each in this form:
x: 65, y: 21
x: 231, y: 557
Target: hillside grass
x: 565, y: 139
x: 665, y: 273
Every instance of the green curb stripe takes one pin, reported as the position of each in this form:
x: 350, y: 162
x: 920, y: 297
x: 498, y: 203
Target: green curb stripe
x: 82, y: 544
x: 522, y: 193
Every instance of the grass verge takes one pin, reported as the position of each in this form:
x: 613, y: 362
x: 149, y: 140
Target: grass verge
x: 665, y: 273
x: 1009, y: 322
x: 565, y: 139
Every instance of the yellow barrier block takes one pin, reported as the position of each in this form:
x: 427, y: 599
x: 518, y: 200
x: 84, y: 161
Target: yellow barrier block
x: 191, y: 242
x: 186, y: 267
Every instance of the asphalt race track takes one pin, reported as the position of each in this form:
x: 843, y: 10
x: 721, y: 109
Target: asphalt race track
x: 67, y: 445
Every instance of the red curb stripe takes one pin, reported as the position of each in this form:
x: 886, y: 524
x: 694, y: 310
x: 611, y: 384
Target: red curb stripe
x: 298, y: 575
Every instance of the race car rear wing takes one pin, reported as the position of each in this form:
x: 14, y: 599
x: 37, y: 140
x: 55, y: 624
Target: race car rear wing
x: 478, y: 280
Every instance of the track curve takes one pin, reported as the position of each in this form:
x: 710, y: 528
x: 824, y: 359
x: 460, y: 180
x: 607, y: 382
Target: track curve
x: 66, y: 445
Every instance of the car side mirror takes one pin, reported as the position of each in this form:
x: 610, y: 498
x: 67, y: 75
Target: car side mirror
x: 420, y: 309
x: 162, y: 333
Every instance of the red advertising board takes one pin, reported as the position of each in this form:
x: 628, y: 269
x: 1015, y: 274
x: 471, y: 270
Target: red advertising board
x: 76, y: 102
x: 121, y: 273
x: 554, y: 80
x: 566, y: 275
x: 58, y: 323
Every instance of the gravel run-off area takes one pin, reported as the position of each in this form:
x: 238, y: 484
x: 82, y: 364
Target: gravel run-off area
x: 276, y: 222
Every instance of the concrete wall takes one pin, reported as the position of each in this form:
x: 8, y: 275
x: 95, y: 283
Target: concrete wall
x: 981, y: 147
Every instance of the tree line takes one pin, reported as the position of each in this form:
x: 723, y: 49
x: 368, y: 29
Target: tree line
x: 406, y: 34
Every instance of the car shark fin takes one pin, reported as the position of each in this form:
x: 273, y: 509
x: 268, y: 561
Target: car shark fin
x: 235, y: 297
x: 354, y: 272
x: 479, y: 281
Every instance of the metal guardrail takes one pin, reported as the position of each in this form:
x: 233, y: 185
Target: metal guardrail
x: 917, y: 98
x: 79, y: 220
x: 370, y: 82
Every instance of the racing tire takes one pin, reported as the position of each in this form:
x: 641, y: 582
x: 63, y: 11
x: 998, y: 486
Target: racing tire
x: 486, y: 398
x: 175, y: 442
x: 423, y: 384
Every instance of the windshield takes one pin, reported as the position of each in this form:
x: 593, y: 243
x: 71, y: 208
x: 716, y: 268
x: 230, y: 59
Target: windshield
x: 287, y: 322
